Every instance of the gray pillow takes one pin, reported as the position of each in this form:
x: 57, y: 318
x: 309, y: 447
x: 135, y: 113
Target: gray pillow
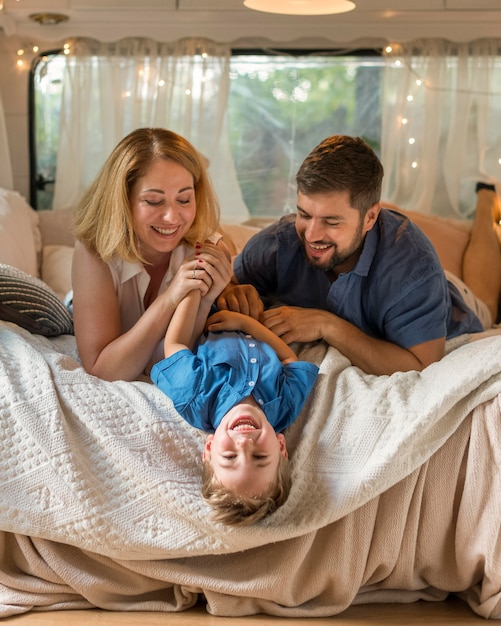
x: 32, y: 304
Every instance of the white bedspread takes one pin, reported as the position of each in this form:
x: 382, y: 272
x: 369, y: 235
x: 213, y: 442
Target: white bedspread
x: 111, y: 469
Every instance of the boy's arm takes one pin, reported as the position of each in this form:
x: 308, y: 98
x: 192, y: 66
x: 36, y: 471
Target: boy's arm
x: 182, y: 332
x: 230, y: 320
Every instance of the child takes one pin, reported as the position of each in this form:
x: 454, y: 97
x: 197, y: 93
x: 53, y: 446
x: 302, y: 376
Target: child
x: 244, y: 386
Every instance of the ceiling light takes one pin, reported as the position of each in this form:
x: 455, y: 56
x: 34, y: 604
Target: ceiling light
x: 49, y: 19
x: 301, y: 7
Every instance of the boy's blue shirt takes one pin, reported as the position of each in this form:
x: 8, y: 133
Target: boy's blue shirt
x: 227, y: 367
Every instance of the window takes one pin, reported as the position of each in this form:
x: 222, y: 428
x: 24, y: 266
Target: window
x: 45, y: 107
x: 281, y: 105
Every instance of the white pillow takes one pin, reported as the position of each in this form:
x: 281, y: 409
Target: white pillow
x: 56, y: 268
x: 20, y: 239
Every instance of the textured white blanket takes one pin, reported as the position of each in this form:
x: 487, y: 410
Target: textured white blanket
x: 112, y: 469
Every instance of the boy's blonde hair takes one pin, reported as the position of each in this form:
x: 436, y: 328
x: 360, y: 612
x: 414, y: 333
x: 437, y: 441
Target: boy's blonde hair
x: 103, y: 219
x: 236, y: 510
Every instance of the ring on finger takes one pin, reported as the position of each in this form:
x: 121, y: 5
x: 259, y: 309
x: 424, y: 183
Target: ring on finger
x: 193, y: 275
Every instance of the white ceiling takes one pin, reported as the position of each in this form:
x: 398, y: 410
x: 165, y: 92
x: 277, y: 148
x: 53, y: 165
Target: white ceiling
x: 230, y: 21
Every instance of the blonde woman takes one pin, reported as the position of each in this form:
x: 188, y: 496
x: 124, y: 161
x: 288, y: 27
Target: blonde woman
x: 146, y: 234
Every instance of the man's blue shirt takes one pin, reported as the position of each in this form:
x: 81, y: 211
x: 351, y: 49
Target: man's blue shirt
x: 227, y: 367
x: 397, y: 291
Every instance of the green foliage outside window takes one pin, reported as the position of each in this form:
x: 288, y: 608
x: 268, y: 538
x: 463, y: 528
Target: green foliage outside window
x: 280, y: 107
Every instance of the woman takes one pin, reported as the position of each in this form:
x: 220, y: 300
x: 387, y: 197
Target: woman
x: 145, y: 239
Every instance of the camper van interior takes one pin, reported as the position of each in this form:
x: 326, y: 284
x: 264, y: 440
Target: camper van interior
x: 394, y: 516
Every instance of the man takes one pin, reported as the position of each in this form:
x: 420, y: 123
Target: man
x: 364, y: 279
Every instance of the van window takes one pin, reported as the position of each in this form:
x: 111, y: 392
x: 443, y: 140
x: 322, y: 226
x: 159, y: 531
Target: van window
x: 45, y: 107
x: 281, y: 105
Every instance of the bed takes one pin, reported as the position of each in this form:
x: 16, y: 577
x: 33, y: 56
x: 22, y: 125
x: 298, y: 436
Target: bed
x: 396, y: 479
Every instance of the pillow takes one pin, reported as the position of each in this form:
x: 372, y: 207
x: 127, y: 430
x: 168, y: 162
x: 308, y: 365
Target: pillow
x: 56, y: 268
x: 30, y: 303
x: 20, y: 239
x: 237, y: 234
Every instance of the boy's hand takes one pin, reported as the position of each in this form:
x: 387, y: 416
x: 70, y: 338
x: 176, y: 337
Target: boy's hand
x: 228, y: 320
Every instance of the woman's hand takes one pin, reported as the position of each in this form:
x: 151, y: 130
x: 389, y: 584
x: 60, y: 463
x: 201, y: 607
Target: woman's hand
x: 214, y: 268
x: 191, y: 275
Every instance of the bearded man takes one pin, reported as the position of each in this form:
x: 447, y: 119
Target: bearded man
x: 360, y: 277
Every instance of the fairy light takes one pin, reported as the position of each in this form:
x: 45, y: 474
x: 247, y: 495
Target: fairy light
x: 392, y: 50
x: 20, y: 61
x: 413, y: 99
x: 23, y: 58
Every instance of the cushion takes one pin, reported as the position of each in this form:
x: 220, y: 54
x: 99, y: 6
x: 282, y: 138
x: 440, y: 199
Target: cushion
x: 56, y: 227
x: 56, y: 268
x: 20, y: 240
x: 238, y: 235
x: 30, y: 303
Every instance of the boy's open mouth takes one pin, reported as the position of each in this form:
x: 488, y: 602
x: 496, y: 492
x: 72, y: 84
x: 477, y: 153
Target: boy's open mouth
x: 243, y: 424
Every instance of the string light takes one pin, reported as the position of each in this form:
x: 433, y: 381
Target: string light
x: 393, y: 51
x: 20, y: 61
x: 23, y: 59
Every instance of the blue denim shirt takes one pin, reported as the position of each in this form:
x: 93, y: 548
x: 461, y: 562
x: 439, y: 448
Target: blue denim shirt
x: 227, y: 367
x: 397, y: 291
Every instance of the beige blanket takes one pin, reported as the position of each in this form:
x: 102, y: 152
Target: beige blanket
x: 392, y: 498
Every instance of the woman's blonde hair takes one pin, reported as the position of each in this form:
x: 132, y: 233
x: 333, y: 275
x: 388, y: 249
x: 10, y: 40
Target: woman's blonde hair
x: 103, y: 219
x: 233, y: 509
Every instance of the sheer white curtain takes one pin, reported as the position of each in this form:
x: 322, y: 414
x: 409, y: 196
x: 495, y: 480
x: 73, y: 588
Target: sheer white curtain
x: 441, y: 124
x: 6, y: 177
x: 113, y: 88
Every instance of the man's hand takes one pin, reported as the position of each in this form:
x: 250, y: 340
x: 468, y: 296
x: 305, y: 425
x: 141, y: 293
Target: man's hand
x: 293, y: 323
x: 242, y: 299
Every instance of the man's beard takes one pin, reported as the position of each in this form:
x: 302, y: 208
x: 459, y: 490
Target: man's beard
x: 338, y: 257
